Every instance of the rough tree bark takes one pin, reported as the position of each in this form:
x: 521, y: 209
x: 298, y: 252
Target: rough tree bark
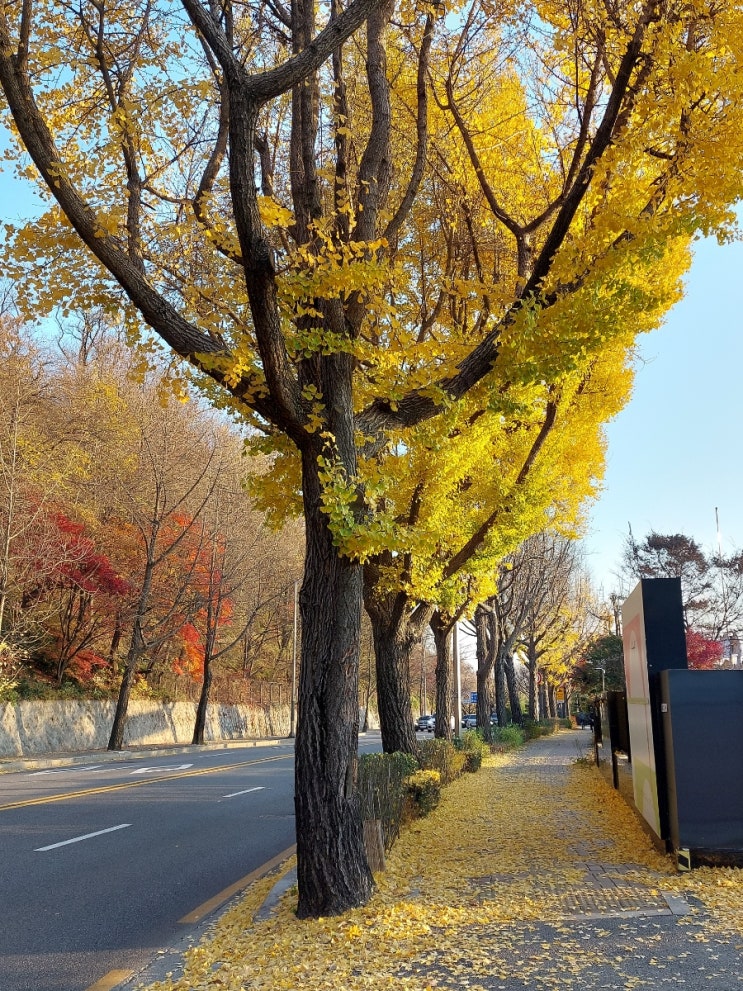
x: 501, y: 691
x: 397, y: 630
x: 441, y: 627
x: 485, y: 643
x: 136, y: 650
x: 513, y: 692
x: 551, y: 706
x: 542, y: 700
x: 203, y: 706
x: 333, y: 872
x: 212, y: 618
x: 532, y: 661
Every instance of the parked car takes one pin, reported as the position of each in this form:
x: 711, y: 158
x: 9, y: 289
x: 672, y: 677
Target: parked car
x: 425, y: 724
x: 470, y: 721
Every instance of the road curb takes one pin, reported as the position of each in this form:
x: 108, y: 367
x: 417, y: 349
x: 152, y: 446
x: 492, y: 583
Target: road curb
x: 168, y: 963
x: 44, y: 761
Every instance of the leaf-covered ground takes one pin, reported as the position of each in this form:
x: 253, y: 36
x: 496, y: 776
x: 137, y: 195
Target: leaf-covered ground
x: 525, y: 877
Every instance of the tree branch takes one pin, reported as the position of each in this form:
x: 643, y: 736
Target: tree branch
x: 419, y: 405
x: 464, y: 554
x: 264, y: 86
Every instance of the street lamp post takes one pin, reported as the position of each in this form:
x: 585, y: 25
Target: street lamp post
x: 424, y: 693
x: 457, y: 681
x: 293, y: 706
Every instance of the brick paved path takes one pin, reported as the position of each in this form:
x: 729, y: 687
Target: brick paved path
x: 598, y: 886
x: 601, y: 911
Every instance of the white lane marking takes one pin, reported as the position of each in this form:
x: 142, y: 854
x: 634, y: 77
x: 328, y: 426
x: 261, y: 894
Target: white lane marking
x: 164, y: 767
x: 65, y: 770
x: 246, y: 792
x: 79, y: 839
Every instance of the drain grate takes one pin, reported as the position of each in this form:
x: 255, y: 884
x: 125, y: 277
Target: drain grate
x: 605, y: 900
x: 600, y: 891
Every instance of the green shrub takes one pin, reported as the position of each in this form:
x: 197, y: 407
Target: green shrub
x: 474, y: 748
x: 472, y: 761
x: 508, y: 737
x: 423, y: 791
x: 382, y: 790
x: 442, y: 756
x: 30, y: 690
x: 533, y: 729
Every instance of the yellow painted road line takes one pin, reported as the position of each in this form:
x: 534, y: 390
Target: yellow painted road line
x: 110, y: 980
x: 103, y: 789
x: 223, y: 896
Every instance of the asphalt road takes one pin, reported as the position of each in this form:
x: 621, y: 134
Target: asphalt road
x: 103, y: 864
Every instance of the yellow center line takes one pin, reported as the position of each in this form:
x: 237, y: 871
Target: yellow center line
x: 207, y: 907
x: 110, y: 980
x: 102, y: 789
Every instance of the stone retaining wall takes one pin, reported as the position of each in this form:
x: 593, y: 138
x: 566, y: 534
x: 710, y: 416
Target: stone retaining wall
x: 29, y: 728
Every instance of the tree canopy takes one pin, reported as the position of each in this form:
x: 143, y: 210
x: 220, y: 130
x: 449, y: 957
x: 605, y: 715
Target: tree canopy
x: 711, y: 582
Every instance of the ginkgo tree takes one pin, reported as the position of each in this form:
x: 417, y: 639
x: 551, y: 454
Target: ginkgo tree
x: 243, y: 177
x: 464, y: 511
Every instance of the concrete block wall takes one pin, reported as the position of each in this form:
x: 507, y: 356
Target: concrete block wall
x: 29, y: 728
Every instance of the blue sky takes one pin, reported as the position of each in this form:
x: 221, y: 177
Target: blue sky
x: 674, y: 452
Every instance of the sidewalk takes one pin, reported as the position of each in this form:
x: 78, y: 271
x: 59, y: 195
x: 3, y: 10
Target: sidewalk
x: 531, y: 875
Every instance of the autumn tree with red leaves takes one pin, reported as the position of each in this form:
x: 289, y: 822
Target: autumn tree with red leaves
x: 701, y: 652
x: 82, y: 589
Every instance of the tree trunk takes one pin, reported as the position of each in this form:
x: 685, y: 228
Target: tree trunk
x: 136, y: 650
x: 485, y: 660
x: 500, y: 686
x: 441, y: 629
x: 115, y: 638
x: 202, y: 707
x: 551, y: 707
x: 368, y: 692
x: 116, y: 740
x: 332, y: 870
x: 513, y: 693
x: 533, y: 710
x: 501, y: 692
x: 542, y: 700
x: 396, y: 635
x: 393, y: 646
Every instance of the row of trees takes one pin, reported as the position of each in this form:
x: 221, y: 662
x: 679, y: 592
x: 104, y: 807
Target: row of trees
x: 129, y: 544
x: 543, y: 611
x: 425, y: 334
